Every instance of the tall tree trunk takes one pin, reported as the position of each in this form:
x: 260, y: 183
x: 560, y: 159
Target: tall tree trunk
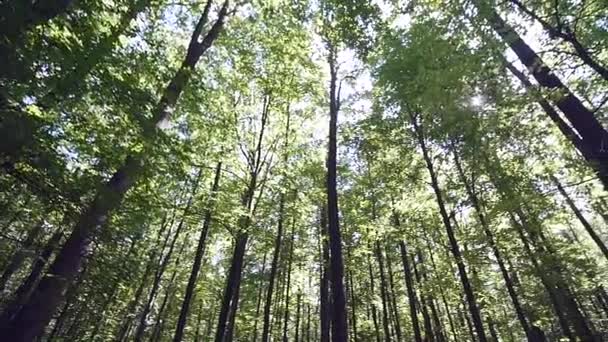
x: 152, y: 260
x: 492, y: 242
x: 393, y: 296
x: 234, y: 306
x: 598, y: 241
x: 199, y: 322
x: 430, y: 303
x: 15, y: 262
x: 298, y: 313
x: 307, y: 322
x: 582, y: 146
x: 168, y: 296
x: 339, y: 325
x: 442, y: 294
x: 383, y: 292
x: 37, y: 312
x: 324, y: 286
x: 353, y: 300
x: 273, y: 271
x: 582, y: 119
x: 411, y: 292
x: 198, y: 258
x: 288, y: 287
x: 557, y: 276
x: 372, y: 291
x: 564, y: 32
x: 233, y: 283
x: 141, y: 327
x: 429, y: 334
x: 545, y: 280
x: 470, y: 296
x: 259, y: 302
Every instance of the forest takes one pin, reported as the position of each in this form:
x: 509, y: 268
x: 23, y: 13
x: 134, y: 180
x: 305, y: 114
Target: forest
x: 303, y: 170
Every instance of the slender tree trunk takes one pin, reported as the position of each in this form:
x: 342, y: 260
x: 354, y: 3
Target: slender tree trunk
x: 442, y: 294
x: 71, y: 296
x: 394, y: 297
x: 198, y: 258
x: 492, y: 242
x: 307, y: 322
x: 234, y: 306
x: 324, y: 286
x: 288, y: 288
x: 557, y: 276
x: 383, y: 292
x: 298, y: 312
x: 430, y: 303
x: 353, y: 300
x: 411, y: 292
x: 273, y: 271
x: 598, y: 241
x: 259, y: 302
x: 470, y: 296
x: 199, y: 320
x: 168, y: 297
x: 339, y: 318
x: 372, y: 290
x: 551, y: 291
x: 141, y: 327
x: 233, y: 283
x: 37, y: 312
x: 152, y: 259
x: 423, y: 305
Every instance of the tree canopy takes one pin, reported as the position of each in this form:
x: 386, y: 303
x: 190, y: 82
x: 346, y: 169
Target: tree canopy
x: 297, y: 170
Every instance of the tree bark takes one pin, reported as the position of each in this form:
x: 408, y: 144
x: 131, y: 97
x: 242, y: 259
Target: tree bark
x: 141, y: 327
x: 493, y: 246
x: 598, y: 241
x: 429, y: 334
x: 411, y: 292
x: 383, y: 292
x: 37, y: 312
x: 288, y: 288
x: 339, y: 318
x: 152, y: 260
x: 393, y: 295
x: 324, y: 286
x: 273, y: 271
x: 570, y: 135
x: 198, y: 258
x: 233, y: 283
x: 455, y: 249
x: 582, y: 119
x: 298, y: 312
x: 259, y: 303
